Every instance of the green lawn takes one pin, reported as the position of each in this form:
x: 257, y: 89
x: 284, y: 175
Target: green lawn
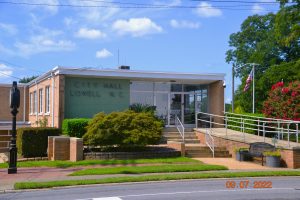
x: 161, y: 177
x: 65, y: 164
x: 149, y: 169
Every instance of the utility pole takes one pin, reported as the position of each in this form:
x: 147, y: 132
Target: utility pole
x: 14, y: 105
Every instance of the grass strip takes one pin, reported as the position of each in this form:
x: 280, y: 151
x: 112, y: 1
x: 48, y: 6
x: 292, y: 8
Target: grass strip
x: 65, y: 164
x: 161, y: 177
x: 148, y: 169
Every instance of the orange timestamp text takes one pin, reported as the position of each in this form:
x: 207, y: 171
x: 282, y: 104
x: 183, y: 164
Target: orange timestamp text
x: 244, y: 184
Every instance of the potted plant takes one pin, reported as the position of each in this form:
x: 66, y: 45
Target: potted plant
x: 241, y: 153
x: 272, y: 158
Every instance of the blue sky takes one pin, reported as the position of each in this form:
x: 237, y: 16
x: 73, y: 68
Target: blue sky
x: 36, y: 38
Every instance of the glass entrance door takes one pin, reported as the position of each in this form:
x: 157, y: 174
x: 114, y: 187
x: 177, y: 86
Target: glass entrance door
x: 189, y: 108
x: 175, y: 107
x: 183, y: 106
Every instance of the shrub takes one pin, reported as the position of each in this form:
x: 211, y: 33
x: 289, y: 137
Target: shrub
x: 75, y: 127
x: 272, y: 153
x: 283, y: 102
x: 123, y: 129
x: 137, y: 107
x: 33, y: 142
x: 238, y: 149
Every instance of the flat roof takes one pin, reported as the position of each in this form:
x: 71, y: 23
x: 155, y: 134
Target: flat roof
x: 138, y: 75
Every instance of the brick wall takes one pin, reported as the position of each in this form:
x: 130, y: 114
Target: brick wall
x: 76, y: 149
x: 65, y: 148
x: 58, y: 83
x: 180, y: 146
x: 5, y: 114
x: 290, y: 157
x: 216, y: 100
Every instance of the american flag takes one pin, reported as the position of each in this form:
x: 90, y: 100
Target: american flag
x: 248, y: 81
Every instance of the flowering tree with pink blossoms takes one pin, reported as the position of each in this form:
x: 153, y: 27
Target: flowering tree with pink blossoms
x: 283, y: 101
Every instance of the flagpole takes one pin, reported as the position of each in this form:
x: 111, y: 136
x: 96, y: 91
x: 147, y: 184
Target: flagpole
x: 253, y: 91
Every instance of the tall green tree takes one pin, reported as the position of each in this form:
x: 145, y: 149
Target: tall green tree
x: 27, y: 79
x: 268, y: 40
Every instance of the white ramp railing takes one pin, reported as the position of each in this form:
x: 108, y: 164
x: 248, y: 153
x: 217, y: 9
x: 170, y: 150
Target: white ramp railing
x: 278, y: 129
x: 210, y: 141
x: 179, y: 127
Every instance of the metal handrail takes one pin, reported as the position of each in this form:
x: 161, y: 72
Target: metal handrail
x: 209, y: 140
x: 179, y: 125
x: 262, y: 125
x: 257, y: 117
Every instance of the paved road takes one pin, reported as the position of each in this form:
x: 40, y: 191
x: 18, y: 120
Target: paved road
x: 282, y: 188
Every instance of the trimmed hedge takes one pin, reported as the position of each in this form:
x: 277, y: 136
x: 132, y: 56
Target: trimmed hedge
x: 33, y: 142
x: 75, y: 127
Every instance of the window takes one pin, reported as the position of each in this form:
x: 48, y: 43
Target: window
x: 30, y: 103
x: 47, y: 99
x: 40, y: 100
x: 35, y: 102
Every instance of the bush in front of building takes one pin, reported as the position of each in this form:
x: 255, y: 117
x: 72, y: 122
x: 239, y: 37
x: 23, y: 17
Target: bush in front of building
x: 33, y: 142
x: 123, y: 129
x: 75, y: 127
x: 138, y: 107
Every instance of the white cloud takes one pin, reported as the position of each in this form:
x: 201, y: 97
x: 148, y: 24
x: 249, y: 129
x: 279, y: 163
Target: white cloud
x: 96, y: 14
x: 9, y: 28
x: 5, y: 71
x: 136, y: 27
x: 184, y: 24
x: 207, y: 10
x: 103, y: 53
x: 256, y: 9
x: 43, y: 43
x: 50, y: 9
x: 90, y: 33
x: 68, y: 21
x: 167, y: 4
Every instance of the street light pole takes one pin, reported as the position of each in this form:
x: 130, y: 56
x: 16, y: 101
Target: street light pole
x: 14, y: 105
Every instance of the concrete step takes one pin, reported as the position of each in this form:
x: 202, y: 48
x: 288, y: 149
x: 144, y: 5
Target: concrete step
x: 177, y: 133
x: 204, y: 151
x: 4, y: 150
x: 174, y: 129
x: 203, y: 148
x: 207, y: 155
x: 187, y: 141
x: 178, y: 136
x: 5, y: 138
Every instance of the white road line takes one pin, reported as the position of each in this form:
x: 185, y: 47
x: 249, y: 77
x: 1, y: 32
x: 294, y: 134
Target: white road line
x: 189, y: 192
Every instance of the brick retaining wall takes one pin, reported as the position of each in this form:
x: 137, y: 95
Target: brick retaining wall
x: 290, y: 157
x: 130, y: 155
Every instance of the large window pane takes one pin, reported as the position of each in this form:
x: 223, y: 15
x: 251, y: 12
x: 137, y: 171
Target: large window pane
x: 176, y: 87
x: 162, y: 106
x: 162, y: 87
x: 141, y: 86
x: 145, y: 98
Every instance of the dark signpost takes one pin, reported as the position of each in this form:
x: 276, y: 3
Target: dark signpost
x: 14, y: 105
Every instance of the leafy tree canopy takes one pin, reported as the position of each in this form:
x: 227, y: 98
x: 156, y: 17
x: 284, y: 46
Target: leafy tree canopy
x: 27, y: 79
x: 266, y: 39
x: 271, y: 40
